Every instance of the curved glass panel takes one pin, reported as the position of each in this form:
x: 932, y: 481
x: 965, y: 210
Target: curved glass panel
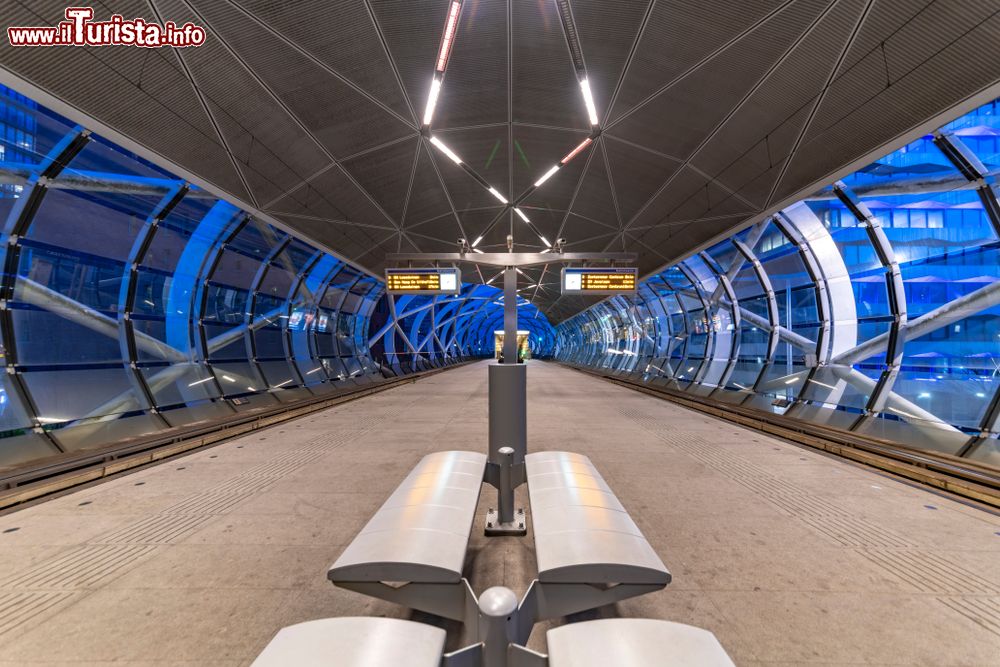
x: 140, y: 304
x: 871, y: 306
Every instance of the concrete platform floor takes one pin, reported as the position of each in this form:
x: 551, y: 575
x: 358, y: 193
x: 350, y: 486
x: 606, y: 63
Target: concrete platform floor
x: 791, y: 557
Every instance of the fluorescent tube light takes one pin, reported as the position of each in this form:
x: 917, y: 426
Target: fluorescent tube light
x: 448, y: 40
x: 588, y: 99
x: 476, y: 242
x: 576, y: 151
x: 521, y: 214
x: 493, y: 191
x: 547, y: 175
x: 447, y: 151
x: 545, y: 241
x: 432, y: 100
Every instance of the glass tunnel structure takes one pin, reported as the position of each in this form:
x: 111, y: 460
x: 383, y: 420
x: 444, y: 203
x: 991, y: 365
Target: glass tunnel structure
x: 500, y: 333
x: 871, y: 306
x: 135, y: 303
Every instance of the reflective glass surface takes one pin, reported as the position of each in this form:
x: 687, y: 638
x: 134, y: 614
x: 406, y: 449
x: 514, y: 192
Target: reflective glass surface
x: 873, y: 305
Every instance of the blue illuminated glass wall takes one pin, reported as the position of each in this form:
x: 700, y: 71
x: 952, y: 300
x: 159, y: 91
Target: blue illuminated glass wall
x: 872, y: 306
x: 134, y: 303
x: 430, y: 330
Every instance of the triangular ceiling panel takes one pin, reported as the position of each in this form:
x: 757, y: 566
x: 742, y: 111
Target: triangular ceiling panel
x: 376, y: 173
x: 342, y: 119
x: 636, y: 175
x: 428, y: 198
x: 595, y: 199
x: 365, y: 64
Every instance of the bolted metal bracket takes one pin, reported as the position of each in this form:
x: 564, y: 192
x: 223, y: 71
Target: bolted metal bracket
x: 494, y: 528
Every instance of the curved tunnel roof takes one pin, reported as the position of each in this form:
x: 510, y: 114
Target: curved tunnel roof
x: 707, y: 115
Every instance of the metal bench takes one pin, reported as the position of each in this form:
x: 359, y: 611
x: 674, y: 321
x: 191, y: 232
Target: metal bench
x: 413, y: 549
x: 627, y: 642
x: 589, y: 551
x: 355, y: 642
x: 390, y: 642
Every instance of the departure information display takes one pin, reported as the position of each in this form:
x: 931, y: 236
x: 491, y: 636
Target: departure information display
x: 423, y: 281
x: 583, y: 280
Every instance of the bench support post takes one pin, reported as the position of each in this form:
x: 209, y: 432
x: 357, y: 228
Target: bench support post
x: 508, y: 432
x: 503, y: 520
x: 497, y: 624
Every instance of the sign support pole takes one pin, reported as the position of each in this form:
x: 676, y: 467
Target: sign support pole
x: 508, y: 388
x: 508, y: 421
x: 510, y: 315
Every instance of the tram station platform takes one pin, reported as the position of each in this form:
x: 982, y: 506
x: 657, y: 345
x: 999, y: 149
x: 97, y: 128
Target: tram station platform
x: 790, y: 556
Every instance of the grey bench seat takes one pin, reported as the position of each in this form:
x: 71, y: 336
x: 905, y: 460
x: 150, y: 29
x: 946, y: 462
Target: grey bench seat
x: 634, y: 642
x: 418, y: 538
x: 422, y: 531
x: 355, y: 642
x: 583, y: 534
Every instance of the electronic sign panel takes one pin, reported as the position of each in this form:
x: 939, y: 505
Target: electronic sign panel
x: 423, y: 281
x: 599, y: 281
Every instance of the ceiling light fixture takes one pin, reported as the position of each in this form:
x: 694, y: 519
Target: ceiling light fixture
x: 447, y: 151
x: 576, y: 151
x: 545, y: 241
x: 478, y: 250
x: 547, y: 175
x: 432, y: 100
x: 493, y: 191
x: 521, y: 214
x: 588, y: 99
x: 449, y: 36
x: 476, y: 242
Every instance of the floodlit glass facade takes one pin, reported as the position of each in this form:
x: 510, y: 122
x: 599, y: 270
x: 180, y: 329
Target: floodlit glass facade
x: 872, y: 306
x: 135, y: 303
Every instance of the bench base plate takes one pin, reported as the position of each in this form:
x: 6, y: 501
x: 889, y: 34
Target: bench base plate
x: 519, y: 526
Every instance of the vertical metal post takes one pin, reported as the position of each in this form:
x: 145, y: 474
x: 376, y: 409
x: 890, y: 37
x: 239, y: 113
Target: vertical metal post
x: 510, y: 315
x: 508, y: 420
x: 497, y: 624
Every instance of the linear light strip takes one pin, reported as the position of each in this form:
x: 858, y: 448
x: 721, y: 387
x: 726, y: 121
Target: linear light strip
x: 576, y: 151
x: 588, y: 99
x: 447, y: 151
x: 432, y: 99
x: 547, y: 175
x: 448, y: 40
x: 493, y: 191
